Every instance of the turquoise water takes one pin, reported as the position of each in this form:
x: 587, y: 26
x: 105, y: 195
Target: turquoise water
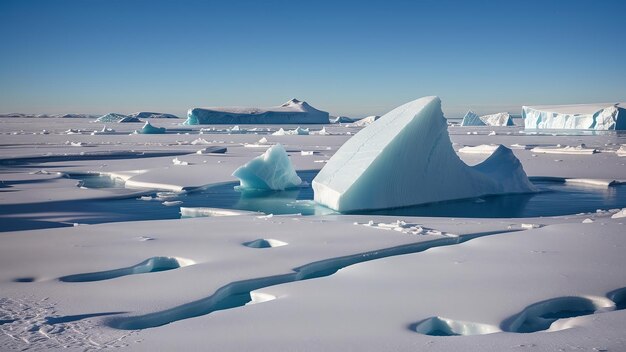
x: 554, y: 199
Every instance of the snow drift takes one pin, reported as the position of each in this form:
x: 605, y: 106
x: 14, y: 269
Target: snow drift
x: 499, y: 119
x: 581, y: 117
x: 406, y: 158
x: 271, y: 171
x: 293, y: 111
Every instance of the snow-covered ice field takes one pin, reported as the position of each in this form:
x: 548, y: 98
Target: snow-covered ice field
x: 75, y: 275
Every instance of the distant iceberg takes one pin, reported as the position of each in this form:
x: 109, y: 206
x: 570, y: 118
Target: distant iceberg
x: 365, y: 121
x: 499, y: 119
x: 149, y: 129
x: 581, y: 117
x: 406, y: 158
x: 113, y: 117
x: 342, y: 119
x: 293, y: 111
x: 271, y: 171
x: 152, y: 115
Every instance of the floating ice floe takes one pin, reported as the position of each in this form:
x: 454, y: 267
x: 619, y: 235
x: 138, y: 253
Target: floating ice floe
x: 499, y: 119
x: 579, y: 150
x: 176, y: 161
x: 293, y: 111
x: 479, y: 149
x: 113, y: 117
x: 149, y: 129
x: 297, y: 131
x: 189, y: 212
x: 212, y: 150
x: 579, y: 116
x: 272, y: 170
x: 406, y: 158
x: 104, y: 130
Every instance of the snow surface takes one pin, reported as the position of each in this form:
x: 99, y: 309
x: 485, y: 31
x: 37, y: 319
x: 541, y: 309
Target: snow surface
x: 272, y: 170
x: 406, y: 158
x: 337, y: 283
x: 293, y: 111
x: 581, y: 116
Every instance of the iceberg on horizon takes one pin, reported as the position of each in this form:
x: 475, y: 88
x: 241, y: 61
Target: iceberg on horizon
x: 406, y: 158
x: 114, y: 117
x: 149, y: 129
x: 271, y: 171
x: 152, y: 115
x: 600, y: 117
x: 499, y: 119
x: 291, y: 112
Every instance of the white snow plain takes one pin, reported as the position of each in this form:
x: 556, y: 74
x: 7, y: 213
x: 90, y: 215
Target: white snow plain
x: 281, y: 283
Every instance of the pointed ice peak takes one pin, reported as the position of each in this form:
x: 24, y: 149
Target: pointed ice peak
x: 293, y: 101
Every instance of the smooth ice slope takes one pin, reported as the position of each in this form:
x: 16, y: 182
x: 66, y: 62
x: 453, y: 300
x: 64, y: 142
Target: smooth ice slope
x: 293, y: 111
x: 113, y: 117
x: 581, y: 117
x: 406, y: 158
x: 272, y: 170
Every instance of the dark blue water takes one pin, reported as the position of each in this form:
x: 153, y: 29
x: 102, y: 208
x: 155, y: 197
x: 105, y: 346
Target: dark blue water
x: 554, y: 199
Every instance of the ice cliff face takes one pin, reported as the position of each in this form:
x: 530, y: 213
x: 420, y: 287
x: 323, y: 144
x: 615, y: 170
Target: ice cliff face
x: 406, y: 158
x: 293, y: 111
x: 582, y: 117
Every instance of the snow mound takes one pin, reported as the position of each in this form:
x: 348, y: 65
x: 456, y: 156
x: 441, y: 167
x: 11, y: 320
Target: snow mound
x: 499, y: 119
x: 293, y: 111
x: 272, y: 170
x: 621, y: 151
x: 113, y: 117
x: 297, y: 132
x: 149, y: 129
x: 580, y: 116
x: 406, y: 158
x: 152, y: 115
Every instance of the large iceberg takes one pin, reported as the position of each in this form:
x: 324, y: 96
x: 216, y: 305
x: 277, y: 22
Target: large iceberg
x: 152, y: 115
x: 271, y: 171
x: 499, y: 119
x: 406, y: 158
x: 293, y: 111
x: 580, y: 117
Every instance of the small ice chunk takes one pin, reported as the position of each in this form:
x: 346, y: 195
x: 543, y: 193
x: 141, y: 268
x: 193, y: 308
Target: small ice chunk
x: 587, y: 221
x: 176, y: 161
x: 479, y: 149
x: 530, y: 226
x: 306, y: 152
x: 171, y: 203
x: 212, y: 150
x: 619, y: 214
x: 149, y: 129
x: 273, y: 170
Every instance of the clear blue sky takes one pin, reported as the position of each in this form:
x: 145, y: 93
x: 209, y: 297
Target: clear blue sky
x: 352, y: 58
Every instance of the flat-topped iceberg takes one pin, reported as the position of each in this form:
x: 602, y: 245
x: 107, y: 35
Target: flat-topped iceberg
x: 499, y: 119
x: 114, y: 117
x: 580, y: 117
x: 293, y: 111
x: 406, y: 158
x: 152, y: 115
x: 271, y: 171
